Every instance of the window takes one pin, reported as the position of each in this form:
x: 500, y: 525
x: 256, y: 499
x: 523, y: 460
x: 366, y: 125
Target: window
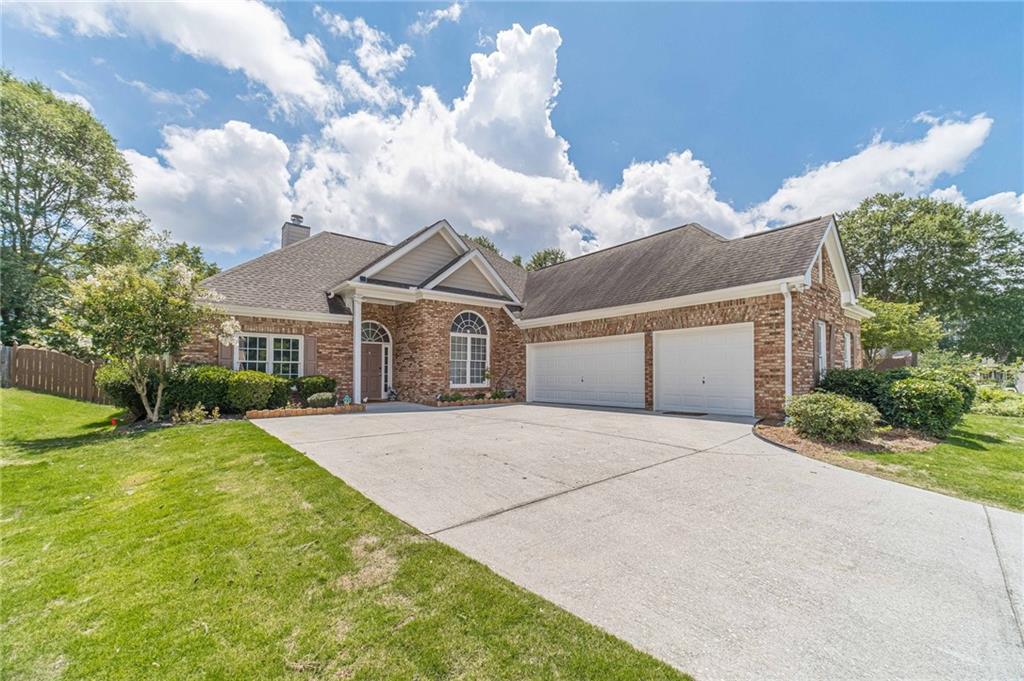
x: 279, y: 355
x: 847, y: 349
x: 468, y: 366
x: 820, y: 350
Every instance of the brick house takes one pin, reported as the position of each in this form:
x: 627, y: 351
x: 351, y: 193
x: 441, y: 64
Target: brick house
x: 680, y: 321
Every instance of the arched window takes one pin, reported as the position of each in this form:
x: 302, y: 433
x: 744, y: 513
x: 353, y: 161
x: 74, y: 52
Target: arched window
x: 375, y: 333
x: 469, y: 351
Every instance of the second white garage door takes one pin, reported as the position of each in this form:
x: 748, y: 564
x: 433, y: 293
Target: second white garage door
x: 708, y: 369
x: 606, y: 371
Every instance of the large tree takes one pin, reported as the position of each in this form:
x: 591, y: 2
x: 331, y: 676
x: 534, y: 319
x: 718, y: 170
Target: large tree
x: 545, y: 258
x: 957, y: 262
x: 66, y: 196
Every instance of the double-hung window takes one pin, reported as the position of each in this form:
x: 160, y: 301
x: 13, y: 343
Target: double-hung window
x: 467, y: 366
x: 273, y: 354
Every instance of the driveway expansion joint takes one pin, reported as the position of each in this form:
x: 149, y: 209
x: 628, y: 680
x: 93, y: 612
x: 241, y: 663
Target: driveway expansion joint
x: 1006, y: 577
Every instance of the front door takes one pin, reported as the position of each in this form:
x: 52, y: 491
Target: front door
x: 373, y: 368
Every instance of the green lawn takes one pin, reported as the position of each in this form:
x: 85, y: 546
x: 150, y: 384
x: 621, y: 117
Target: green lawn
x: 215, y: 551
x: 982, y: 459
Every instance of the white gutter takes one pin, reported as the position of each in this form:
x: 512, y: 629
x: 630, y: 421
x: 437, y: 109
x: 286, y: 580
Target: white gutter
x: 788, y: 298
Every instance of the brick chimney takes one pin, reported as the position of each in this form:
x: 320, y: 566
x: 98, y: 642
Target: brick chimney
x: 293, y: 231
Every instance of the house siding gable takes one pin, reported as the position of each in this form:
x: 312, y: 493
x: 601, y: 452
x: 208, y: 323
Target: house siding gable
x: 470, y: 278
x: 421, y: 262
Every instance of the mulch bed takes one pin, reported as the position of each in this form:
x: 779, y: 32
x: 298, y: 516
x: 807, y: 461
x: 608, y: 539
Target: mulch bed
x: 303, y: 411
x: 467, y: 403
x: 883, y: 441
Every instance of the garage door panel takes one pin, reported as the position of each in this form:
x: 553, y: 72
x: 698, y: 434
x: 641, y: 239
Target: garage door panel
x: 604, y: 372
x: 706, y: 369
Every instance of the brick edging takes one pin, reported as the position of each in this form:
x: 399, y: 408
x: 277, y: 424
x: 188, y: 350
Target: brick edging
x: 303, y: 411
x: 469, y: 403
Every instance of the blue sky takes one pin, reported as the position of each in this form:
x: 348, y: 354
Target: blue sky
x: 586, y: 125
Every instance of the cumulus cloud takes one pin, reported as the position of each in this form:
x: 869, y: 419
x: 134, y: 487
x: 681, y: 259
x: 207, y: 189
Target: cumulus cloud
x: 225, y: 189
x: 911, y: 167
x: 242, y: 35
x: 1008, y: 204
x: 428, y: 21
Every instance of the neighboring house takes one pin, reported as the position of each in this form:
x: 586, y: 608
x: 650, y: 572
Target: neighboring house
x: 681, y: 321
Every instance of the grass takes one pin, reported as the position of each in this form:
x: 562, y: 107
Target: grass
x: 216, y: 551
x: 982, y: 460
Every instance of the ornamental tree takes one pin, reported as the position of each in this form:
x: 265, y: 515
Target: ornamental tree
x: 142, y: 321
x: 896, y: 326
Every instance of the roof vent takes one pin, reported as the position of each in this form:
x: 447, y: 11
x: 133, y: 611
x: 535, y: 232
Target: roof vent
x: 296, y: 219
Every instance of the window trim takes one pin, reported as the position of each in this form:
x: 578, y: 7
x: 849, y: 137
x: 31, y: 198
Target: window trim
x: 487, y: 351
x: 268, y: 369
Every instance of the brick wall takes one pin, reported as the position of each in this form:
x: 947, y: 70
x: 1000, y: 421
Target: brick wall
x: 766, y: 312
x: 823, y: 301
x: 333, y: 345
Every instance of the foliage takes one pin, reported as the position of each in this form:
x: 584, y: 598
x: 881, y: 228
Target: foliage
x: 896, y: 326
x: 261, y: 529
x: 256, y: 390
x: 196, y: 414
x: 997, y: 402
x: 960, y: 380
x: 451, y: 397
x: 315, y: 383
x: 483, y: 242
x: 949, y: 359
x: 860, y: 384
x: 497, y: 394
x: 517, y: 260
x: 198, y: 384
x: 545, y: 258
x: 321, y: 400
x: 113, y: 381
x: 929, y: 406
x: 66, y: 198
x: 831, y: 417
x: 965, y: 266
x: 141, y: 320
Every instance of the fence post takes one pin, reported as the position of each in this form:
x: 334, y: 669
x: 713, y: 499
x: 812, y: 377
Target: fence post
x: 5, y: 367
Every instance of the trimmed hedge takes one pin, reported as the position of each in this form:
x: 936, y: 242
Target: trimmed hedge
x: 325, y: 399
x: 205, y: 384
x: 929, y: 406
x: 256, y: 390
x: 860, y: 384
x: 960, y: 380
x: 831, y: 417
x: 307, y: 386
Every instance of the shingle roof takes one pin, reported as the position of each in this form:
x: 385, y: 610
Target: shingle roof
x: 296, y: 277
x: 677, y: 262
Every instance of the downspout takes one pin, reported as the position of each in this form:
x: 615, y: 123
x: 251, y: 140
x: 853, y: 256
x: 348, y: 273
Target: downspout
x: 357, y: 349
x: 788, y: 298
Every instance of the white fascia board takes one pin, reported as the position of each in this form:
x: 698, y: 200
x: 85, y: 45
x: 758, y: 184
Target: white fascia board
x: 830, y: 243
x: 748, y: 291
x: 449, y: 234
x: 485, y: 268
x: 368, y: 290
x: 857, y: 312
x: 275, y: 313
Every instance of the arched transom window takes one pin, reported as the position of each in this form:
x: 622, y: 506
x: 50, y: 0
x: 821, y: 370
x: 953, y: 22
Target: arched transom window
x: 375, y: 333
x: 468, y: 367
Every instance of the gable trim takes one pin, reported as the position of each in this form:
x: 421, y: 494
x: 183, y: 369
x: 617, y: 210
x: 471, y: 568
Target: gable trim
x: 480, y: 262
x: 441, y: 226
x: 275, y: 313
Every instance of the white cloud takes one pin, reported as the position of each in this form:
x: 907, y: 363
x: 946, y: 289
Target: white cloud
x: 1008, y: 204
x: 75, y: 98
x: 428, y: 21
x: 242, y: 35
x: 911, y: 167
x: 225, y: 189
x: 190, y: 100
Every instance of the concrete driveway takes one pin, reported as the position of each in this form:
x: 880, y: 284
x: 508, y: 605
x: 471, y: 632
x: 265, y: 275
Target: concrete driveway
x: 695, y: 541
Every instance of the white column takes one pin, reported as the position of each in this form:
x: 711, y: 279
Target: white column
x: 788, y: 297
x: 357, y: 349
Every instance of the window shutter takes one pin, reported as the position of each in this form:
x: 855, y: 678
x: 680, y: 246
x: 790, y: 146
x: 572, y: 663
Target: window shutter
x: 830, y: 346
x: 817, y: 353
x: 308, y: 355
x: 226, y: 355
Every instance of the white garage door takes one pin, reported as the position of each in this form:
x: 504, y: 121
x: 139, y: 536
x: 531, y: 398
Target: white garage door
x: 708, y: 370
x: 606, y: 371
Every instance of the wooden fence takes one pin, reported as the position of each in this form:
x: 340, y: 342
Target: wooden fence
x: 49, y: 371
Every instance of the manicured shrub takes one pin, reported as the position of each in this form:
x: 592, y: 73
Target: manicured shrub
x: 280, y: 394
x: 960, y: 380
x: 253, y: 390
x: 860, y: 384
x: 112, y: 380
x: 205, y: 384
x: 831, y: 417
x: 998, y: 402
x: 310, y: 385
x: 932, y: 407
x: 321, y: 400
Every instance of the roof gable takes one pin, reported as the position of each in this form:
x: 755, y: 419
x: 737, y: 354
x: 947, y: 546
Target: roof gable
x: 419, y: 261
x: 472, y: 272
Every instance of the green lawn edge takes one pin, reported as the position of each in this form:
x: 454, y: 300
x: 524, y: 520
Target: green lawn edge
x: 216, y: 551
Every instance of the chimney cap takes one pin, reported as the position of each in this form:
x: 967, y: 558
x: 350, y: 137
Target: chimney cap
x: 296, y: 219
